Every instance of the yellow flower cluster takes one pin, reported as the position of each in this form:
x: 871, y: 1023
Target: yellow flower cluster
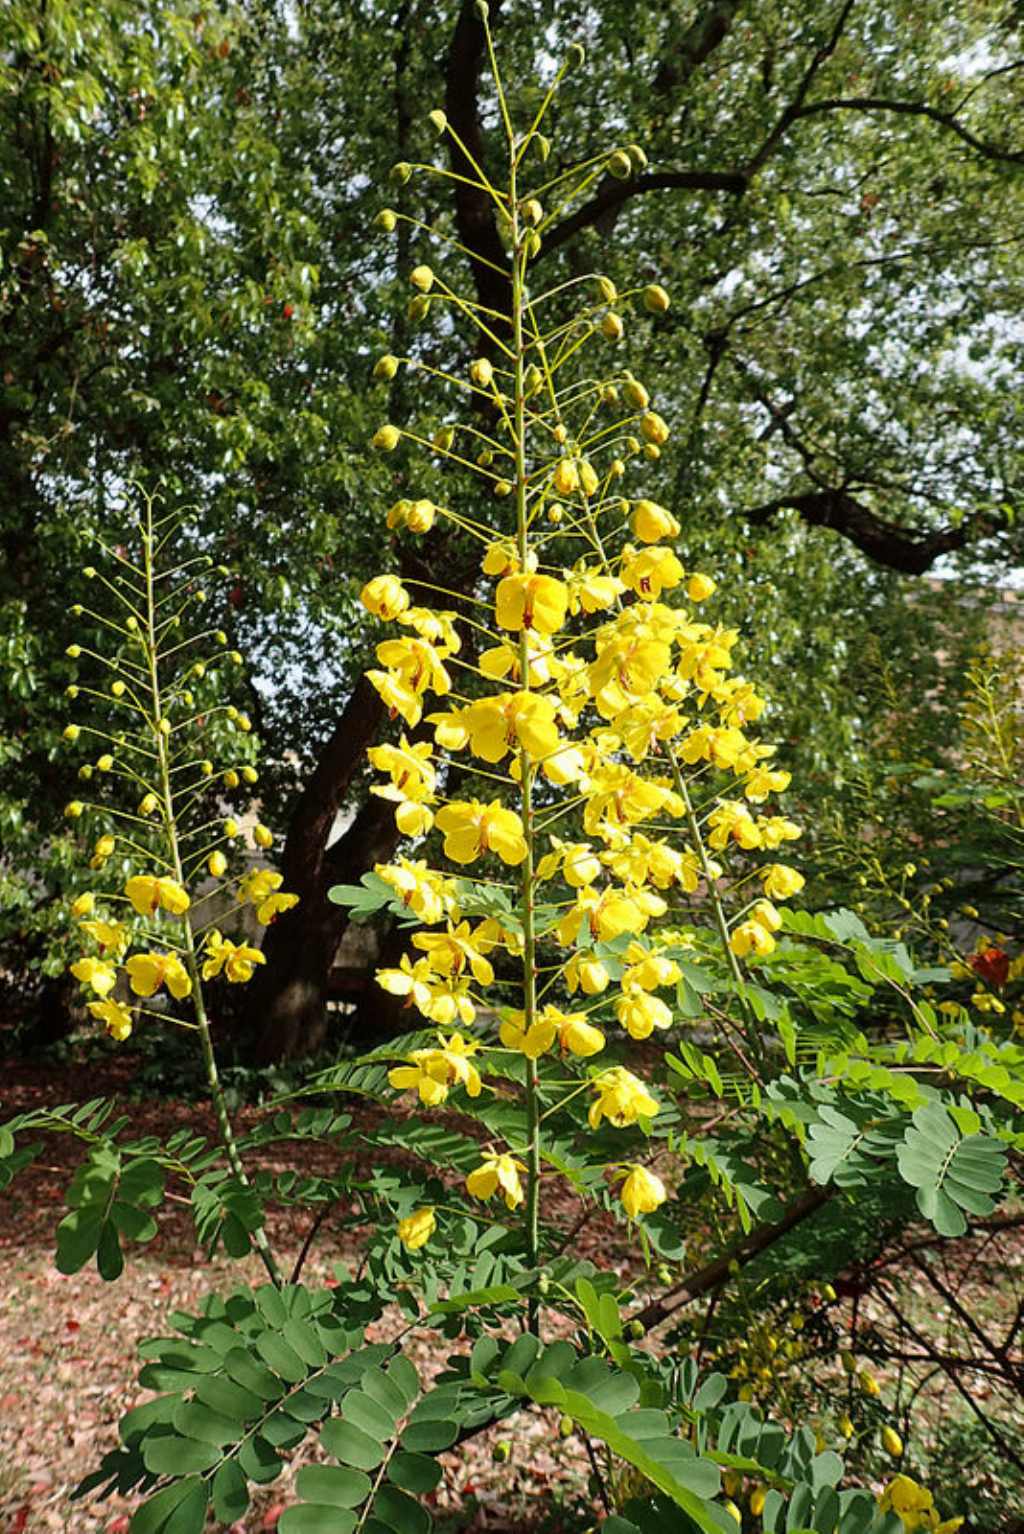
x: 915, y: 1507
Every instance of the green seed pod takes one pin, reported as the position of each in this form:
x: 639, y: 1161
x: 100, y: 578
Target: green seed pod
x: 637, y: 1329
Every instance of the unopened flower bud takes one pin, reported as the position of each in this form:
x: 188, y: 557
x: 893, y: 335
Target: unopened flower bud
x: 401, y: 172
x: 422, y: 278
x: 555, y: 513
x: 74, y: 650
x: 652, y: 452
x: 89, y: 572
x: 235, y: 657
x: 221, y: 637
x: 199, y: 669
x: 637, y: 1329
x: 231, y: 779
x: 263, y: 837
x: 419, y: 308
x: 532, y: 211
x: 386, y: 219
x: 118, y: 689
x: 663, y: 1273
x: 217, y: 864
x: 608, y: 291
x: 74, y: 810
x: 206, y: 768
x: 565, y: 1427
x: 533, y: 244
x: 503, y: 487
x: 85, y: 772
x: 655, y: 298
x: 543, y: 147
x: 485, y: 458
x: 230, y: 829
x: 612, y: 328
x: 72, y: 731
x: 560, y: 435
x: 250, y: 774
x: 84, y: 904
x: 620, y: 165
x: 634, y: 393
x: 244, y: 723
x: 533, y: 379
x: 481, y: 372
x: 77, y: 610
x: 148, y: 804
x: 386, y: 438
x: 105, y: 762
x: 438, y: 120
x: 164, y: 725
x: 502, y: 1452
x: 71, y: 692
x: 385, y: 367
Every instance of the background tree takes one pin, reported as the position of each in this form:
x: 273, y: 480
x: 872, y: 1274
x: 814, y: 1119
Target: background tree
x: 833, y: 194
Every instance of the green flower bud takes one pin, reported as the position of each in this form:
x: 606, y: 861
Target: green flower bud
x: 503, y: 487
x: 655, y: 298
x: 401, y: 172
x: 638, y: 156
x: 634, y: 393
x: 532, y: 244
x: 543, y: 147
x: 575, y: 57
x: 77, y: 610
x: 620, y: 165
x: 637, y: 1329
x: 85, y: 771
x: 532, y: 211
x: 443, y: 438
x: 386, y: 438
x: 422, y: 278
x: 419, y: 308
x: 566, y: 1427
x: 221, y: 637
x: 612, y: 328
x: 438, y: 119
x: 74, y: 810
x: 386, y: 219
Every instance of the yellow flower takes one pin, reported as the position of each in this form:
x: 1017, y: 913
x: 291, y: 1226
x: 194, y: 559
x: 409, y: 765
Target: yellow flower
x: 399, y: 698
x: 471, y: 829
x: 417, y: 1228
x: 109, y: 936
x: 236, y: 961
x: 652, y: 522
x: 83, y: 905
x: 432, y: 1071
x: 103, y: 850
x: 429, y: 895
x: 101, y: 977
x: 271, y: 908
x: 149, y: 893
x: 763, y: 781
x: 585, y: 972
x: 654, y: 428
x: 531, y: 1042
x: 497, y: 725
x: 384, y: 596
x: 592, y: 591
x: 640, y: 1013
x: 498, y: 1171
x: 780, y: 881
x: 750, y: 937
x: 409, y: 767
x: 622, y: 1098
x: 651, y: 571
x: 147, y: 972
x: 642, y: 1192
x: 648, y: 971
x: 501, y: 558
x: 116, y: 1017
x: 578, y: 1037
x: 449, y: 952
x: 531, y: 602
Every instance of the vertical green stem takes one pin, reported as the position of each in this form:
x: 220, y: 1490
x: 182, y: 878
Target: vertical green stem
x: 526, y: 770
x: 220, y: 1108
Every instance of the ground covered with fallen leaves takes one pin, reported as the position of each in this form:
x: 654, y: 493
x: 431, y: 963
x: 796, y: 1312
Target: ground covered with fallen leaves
x: 67, y: 1344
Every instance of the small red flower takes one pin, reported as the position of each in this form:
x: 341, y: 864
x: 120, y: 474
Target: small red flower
x: 992, y: 964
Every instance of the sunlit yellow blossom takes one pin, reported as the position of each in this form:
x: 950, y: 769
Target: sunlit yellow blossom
x: 384, y: 596
x: 236, y: 961
x: 640, y: 1013
x: 449, y: 952
x: 501, y: 558
x: 622, y: 1098
x: 650, y: 571
x: 417, y: 662
x: 750, y: 937
x: 585, y: 972
x: 648, y: 971
x: 591, y: 591
x: 148, y: 894
x: 508, y: 720
x: 398, y: 697
x: 471, y: 829
x: 147, y: 972
x: 95, y: 973
x: 773, y: 830
x: 408, y: 765
x: 578, y: 1037
x: 111, y: 937
x: 431, y: 1072
x: 763, y: 781
x: 116, y: 1018
x: 608, y: 913
x: 699, y: 587
x: 498, y: 1171
x: 417, y: 516
x: 642, y: 1192
x: 417, y: 1228
x: 531, y: 1042
x: 732, y: 821
x: 579, y: 865
x: 780, y: 881
x: 83, y: 905
x: 429, y: 895
x: 722, y: 747
x: 103, y: 850
x: 531, y: 602
x: 652, y: 522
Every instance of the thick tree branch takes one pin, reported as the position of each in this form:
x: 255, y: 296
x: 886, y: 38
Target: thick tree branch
x: 475, y: 217
x: 714, y: 1274
x: 796, y: 106
x: 885, y: 542
x: 612, y: 194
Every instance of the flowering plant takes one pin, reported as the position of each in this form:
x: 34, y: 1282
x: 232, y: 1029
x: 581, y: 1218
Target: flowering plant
x: 599, y: 863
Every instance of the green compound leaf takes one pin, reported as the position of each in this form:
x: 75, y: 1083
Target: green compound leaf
x: 951, y: 1172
